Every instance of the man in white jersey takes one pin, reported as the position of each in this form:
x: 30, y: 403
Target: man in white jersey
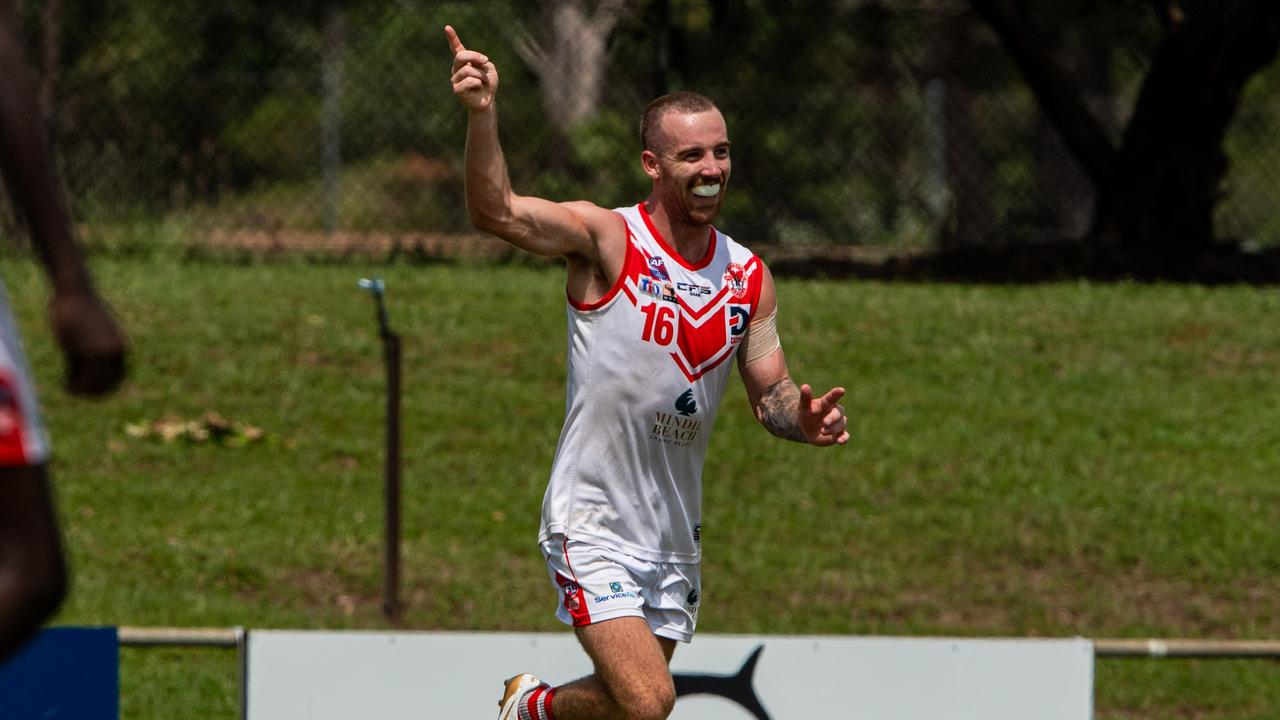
x: 32, y: 568
x: 659, y: 303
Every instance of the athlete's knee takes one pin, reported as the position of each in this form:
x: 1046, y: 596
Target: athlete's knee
x: 33, y: 583
x: 654, y: 704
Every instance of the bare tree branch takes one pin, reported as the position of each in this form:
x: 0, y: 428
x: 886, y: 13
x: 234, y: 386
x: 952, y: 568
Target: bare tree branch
x: 608, y: 14
x: 1060, y: 100
x: 530, y: 51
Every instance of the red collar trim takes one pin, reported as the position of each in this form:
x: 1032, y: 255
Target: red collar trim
x: 662, y: 241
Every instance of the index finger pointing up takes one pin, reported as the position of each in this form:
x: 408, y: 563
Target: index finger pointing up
x: 455, y: 45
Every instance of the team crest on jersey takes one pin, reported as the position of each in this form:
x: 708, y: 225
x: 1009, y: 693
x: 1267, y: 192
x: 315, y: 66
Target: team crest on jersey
x: 736, y: 279
x: 658, y: 269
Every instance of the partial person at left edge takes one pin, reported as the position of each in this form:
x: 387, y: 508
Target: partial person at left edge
x: 33, y: 567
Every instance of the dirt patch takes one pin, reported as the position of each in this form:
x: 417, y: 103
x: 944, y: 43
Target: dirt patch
x: 1013, y: 263
x: 1095, y: 604
x: 356, y: 245
x: 326, y: 590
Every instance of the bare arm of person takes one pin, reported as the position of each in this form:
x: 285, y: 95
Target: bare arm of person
x: 580, y: 231
x: 784, y: 410
x: 92, y: 343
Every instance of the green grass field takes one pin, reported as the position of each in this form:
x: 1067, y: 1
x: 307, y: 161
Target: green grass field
x: 1053, y: 460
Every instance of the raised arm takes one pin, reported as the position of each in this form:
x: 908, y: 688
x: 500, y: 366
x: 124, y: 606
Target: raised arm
x: 788, y: 412
x: 542, y: 227
x: 92, y: 343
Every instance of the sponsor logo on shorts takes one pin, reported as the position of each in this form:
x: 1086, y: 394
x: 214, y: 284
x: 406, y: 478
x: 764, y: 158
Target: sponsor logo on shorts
x: 697, y: 532
x: 693, y: 598
x: 571, y: 601
x: 617, y: 593
x: 615, y: 596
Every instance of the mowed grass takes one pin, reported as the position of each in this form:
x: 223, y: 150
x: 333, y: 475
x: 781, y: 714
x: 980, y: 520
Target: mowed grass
x: 1053, y: 460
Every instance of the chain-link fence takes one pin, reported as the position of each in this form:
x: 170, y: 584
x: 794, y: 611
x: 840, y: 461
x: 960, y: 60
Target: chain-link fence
x: 333, y: 126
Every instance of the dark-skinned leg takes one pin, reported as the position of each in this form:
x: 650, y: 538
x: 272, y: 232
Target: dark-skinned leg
x: 33, y: 573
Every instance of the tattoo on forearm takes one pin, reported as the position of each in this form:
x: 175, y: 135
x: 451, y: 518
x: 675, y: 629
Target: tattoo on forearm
x: 779, y: 410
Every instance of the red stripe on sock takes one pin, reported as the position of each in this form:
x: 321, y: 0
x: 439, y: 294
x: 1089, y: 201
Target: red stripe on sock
x: 546, y: 703
x: 531, y: 701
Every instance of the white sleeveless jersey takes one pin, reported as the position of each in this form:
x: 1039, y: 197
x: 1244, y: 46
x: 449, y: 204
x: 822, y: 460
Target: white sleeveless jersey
x: 648, y: 364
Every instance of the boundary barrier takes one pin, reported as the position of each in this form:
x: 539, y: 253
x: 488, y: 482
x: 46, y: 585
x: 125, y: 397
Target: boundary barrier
x: 233, y: 637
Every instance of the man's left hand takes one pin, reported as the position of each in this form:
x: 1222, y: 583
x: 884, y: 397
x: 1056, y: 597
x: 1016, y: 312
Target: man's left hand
x: 822, y: 419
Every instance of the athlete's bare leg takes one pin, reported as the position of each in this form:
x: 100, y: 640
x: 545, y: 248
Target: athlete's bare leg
x: 33, y: 575
x: 631, y: 681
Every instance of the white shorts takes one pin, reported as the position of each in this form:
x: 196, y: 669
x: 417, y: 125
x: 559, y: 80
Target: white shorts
x: 597, y: 584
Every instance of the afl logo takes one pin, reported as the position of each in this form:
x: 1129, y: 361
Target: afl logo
x: 658, y: 269
x: 736, y: 280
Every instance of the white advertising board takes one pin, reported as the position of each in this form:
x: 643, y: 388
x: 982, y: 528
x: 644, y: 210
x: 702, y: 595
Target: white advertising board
x: 307, y: 675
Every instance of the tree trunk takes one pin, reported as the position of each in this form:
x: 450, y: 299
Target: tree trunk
x: 881, y: 81
x: 571, y: 66
x: 51, y: 30
x: 660, y: 19
x: 971, y: 219
x: 1171, y: 165
x: 1158, y: 190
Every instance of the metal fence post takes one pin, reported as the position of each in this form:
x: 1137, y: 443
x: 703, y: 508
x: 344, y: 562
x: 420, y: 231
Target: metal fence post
x: 391, y: 607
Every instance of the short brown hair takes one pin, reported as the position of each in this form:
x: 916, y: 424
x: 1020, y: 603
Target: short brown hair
x: 682, y: 101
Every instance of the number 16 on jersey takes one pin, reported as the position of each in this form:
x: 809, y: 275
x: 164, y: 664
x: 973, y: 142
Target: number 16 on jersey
x: 659, y: 323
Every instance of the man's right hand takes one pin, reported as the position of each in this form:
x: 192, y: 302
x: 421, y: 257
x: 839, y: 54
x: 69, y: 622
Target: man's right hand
x: 475, y: 79
x: 92, y: 343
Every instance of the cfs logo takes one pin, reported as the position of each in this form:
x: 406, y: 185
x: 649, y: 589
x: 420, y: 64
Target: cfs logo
x: 692, y: 289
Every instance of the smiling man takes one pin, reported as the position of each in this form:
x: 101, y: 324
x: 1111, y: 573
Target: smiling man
x: 660, y: 305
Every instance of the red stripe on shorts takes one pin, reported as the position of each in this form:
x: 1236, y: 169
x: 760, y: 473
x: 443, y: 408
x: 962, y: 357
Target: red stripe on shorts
x: 575, y: 601
x: 13, y: 446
